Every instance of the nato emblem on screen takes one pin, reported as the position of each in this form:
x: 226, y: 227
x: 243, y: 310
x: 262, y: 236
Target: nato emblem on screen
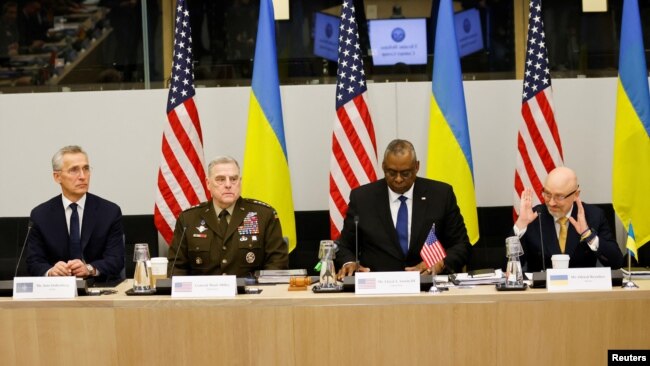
x: 326, y: 34
x: 398, y: 41
x: 398, y: 34
x: 469, y: 35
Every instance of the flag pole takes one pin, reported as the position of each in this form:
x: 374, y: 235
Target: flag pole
x: 435, y: 290
x: 629, y: 285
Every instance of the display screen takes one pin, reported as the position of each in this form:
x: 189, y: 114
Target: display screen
x: 468, y: 32
x: 326, y: 36
x: 394, y: 41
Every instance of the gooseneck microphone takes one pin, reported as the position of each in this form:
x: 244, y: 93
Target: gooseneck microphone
x: 30, y: 224
x: 539, y: 278
x: 539, y: 211
x: 356, y: 241
x: 164, y: 285
x: 178, y: 249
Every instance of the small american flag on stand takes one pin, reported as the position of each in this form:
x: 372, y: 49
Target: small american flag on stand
x: 432, y: 251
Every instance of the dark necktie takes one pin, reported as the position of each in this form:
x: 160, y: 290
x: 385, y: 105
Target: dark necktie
x: 75, y: 240
x: 223, y: 223
x: 402, y: 225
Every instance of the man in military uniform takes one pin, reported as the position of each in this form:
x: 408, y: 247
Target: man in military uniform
x: 230, y: 234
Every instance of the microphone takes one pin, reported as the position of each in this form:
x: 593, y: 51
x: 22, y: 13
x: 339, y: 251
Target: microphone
x: 7, y: 286
x: 30, y: 224
x: 180, y: 242
x: 539, y: 278
x: 539, y: 210
x: 356, y: 240
x: 164, y: 285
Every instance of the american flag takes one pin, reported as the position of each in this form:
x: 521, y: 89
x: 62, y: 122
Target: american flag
x: 538, y: 142
x: 432, y: 251
x: 354, y: 147
x: 181, y: 177
x: 367, y: 283
x: 183, y: 287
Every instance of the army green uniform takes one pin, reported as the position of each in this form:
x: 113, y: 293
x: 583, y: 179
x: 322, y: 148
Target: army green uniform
x: 253, y: 241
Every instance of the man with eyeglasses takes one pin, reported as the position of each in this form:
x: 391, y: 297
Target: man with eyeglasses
x: 229, y: 234
x: 569, y: 226
x: 383, y: 246
x: 76, y: 233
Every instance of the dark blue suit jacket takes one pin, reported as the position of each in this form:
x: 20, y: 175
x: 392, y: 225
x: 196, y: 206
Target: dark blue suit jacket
x: 379, y: 247
x: 581, y: 254
x: 102, y: 237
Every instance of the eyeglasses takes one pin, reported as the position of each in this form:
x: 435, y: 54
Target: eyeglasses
x: 76, y: 171
x: 221, y: 179
x: 405, y: 174
x: 557, y: 197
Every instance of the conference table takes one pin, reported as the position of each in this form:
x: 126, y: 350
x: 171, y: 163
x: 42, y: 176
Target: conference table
x: 462, y: 326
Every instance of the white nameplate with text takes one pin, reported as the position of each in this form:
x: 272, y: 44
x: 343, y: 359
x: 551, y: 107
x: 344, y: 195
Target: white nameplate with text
x: 575, y: 279
x: 45, y: 287
x: 204, y: 286
x: 379, y: 283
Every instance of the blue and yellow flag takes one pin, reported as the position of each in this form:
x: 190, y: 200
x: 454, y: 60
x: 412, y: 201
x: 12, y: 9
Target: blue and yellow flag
x: 631, y: 167
x: 266, y: 167
x: 449, y: 157
x: 631, y: 242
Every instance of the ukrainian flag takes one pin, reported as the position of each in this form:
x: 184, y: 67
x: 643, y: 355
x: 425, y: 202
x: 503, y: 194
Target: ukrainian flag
x: 449, y: 157
x: 631, y: 167
x: 631, y: 242
x: 266, y: 167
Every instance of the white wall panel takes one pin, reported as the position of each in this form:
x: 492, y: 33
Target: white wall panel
x: 122, y: 131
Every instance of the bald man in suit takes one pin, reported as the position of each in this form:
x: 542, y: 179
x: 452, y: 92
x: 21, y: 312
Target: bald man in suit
x: 586, y: 236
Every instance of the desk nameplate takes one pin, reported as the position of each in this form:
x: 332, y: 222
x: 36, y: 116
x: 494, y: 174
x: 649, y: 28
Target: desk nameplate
x: 380, y: 283
x: 45, y: 287
x: 576, y: 279
x: 204, y: 286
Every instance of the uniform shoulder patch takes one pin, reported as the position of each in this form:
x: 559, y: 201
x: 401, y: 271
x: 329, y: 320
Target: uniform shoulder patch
x: 202, y: 204
x: 256, y: 202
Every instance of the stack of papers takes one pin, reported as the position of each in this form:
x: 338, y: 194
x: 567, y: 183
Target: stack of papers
x: 278, y: 275
x: 464, y: 279
x: 637, y: 272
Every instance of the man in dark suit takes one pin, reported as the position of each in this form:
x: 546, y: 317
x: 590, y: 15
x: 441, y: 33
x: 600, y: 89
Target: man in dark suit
x: 76, y: 233
x: 568, y: 226
x: 377, y: 205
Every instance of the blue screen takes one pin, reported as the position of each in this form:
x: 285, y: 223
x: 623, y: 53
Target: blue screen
x: 468, y: 32
x: 326, y: 36
x: 398, y: 41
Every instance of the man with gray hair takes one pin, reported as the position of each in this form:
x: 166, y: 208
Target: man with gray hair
x: 229, y: 234
x: 75, y: 233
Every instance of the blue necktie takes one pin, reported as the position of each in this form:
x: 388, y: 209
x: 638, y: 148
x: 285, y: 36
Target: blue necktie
x: 75, y: 240
x: 402, y: 226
